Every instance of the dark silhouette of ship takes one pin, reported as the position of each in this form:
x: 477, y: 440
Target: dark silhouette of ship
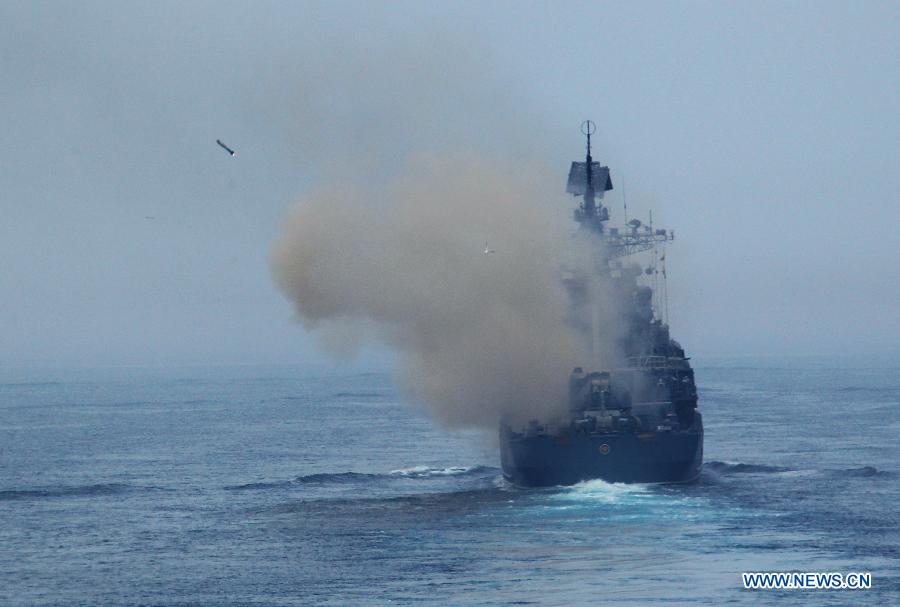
x: 636, y: 421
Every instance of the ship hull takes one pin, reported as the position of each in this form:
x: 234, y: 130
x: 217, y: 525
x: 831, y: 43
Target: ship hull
x: 540, y: 461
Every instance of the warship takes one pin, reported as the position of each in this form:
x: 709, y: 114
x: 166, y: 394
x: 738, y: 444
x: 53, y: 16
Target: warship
x: 635, y: 421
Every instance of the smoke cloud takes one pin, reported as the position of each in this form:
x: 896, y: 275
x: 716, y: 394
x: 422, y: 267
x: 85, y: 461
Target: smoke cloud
x: 391, y: 245
x: 478, y: 335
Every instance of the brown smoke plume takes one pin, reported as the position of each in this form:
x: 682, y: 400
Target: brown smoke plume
x: 478, y: 335
x: 391, y: 249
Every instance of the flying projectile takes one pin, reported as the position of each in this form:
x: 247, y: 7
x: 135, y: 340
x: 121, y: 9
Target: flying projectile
x: 225, y: 147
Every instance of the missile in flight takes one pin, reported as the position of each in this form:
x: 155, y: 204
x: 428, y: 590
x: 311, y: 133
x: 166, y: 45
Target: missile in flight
x: 225, y: 147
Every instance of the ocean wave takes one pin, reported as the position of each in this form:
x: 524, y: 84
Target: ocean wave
x: 360, y: 395
x: 426, y: 471
x: 741, y: 468
x: 325, y: 478
x: 875, y: 389
x: 862, y: 472
x: 29, y: 384
x: 258, y: 486
x: 429, y: 502
x: 339, y: 477
x: 309, y: 479
x: 65, y: 491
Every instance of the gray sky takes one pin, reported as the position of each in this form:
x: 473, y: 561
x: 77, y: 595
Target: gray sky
x: 765, y: 134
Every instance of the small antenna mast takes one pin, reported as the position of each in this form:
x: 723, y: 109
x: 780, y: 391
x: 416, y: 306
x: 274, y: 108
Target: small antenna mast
x: 589, y: 128
x: 657, y: 295
x: 665, y: 286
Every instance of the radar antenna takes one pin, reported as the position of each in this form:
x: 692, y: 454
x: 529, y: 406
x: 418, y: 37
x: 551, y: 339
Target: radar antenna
x: 589, y: 180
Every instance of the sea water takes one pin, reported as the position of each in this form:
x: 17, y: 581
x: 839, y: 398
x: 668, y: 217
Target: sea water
x: 280, y: 485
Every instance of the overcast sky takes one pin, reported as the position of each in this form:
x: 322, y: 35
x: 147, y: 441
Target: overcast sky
x: 765, y: 135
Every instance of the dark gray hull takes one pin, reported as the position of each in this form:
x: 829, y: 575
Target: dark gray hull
x: 664, y: 457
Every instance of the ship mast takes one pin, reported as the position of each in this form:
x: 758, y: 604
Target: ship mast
x: 590, y: 181
x: 588, y: 205
x: 592, y: 217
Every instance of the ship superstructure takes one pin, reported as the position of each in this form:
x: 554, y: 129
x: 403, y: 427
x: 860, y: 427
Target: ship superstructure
x: 632, y: 415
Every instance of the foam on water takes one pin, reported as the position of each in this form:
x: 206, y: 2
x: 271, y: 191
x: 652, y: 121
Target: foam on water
x: 426, y: 471
x: 601, y: 491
